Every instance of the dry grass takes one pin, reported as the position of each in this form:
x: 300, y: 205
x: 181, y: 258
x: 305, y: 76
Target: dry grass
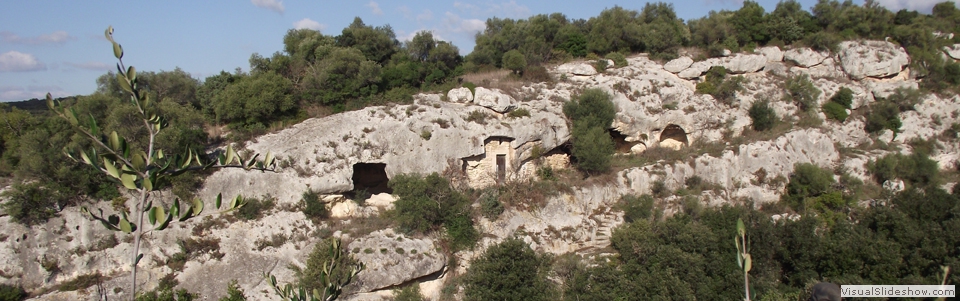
x: 496, y: 79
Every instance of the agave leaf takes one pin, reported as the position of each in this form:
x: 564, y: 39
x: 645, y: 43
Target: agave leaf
x: 219, y: 200
x: 268, y: 160
x: 231, y: 154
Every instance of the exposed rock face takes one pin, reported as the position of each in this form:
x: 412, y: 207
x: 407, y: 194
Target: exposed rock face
x: 581, y: 69
x: 678, y: 64
x: 772, y: 53
x: 393, y: 259
x: 745, y: 63
x: 699, y: 68
x: 872, y: 58
x: 462, y: 95
x: 494, y: 99
x: 952, y: 51
x: 804, y: 57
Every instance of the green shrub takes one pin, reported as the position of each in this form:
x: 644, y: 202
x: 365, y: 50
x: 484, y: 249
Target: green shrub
x: 807, y: 181
x: 514, y: 60
x: 619, y: 60
x: 461, y: 232
x: 313, y: 207
x: 167, y: 295
x: 844, y: 97
x: 762, y: 115
x: 883, y: 115
x: 234, y: 292
x: 546, y: 173
x: 425, y: 134
x: 509, y: 270
x: 823, y: 41
x: 636, y: 208
x: 601, y: 65
x: 727, y: 91
x: 12, y: 293
x: 408, y: 293
x: 916, y: 169
x: 426, y: 203
x: 834, y: 111
x: 471, y: 86
x: 591, y: 114
x: 518, y: 113
x: 478, y: 116
x: 801, y: 91
x: 592, y: 148
x: 31, y: 203
x: 312, y: 277
x: 254, y: 208
x: 536, y: 74
x: 490, y: 206
x: 81, y: 282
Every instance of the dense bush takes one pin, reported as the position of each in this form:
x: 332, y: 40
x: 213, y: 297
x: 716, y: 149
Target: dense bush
x: 427, y: 203
x: 12, y: 293
x: 619, y: 60
x: 636, y: 208
x: 834, y: 111
x: 514, y: 61
x: 916, y: 169
x: 509, y: 270
x: 410, y: 292
x: 807, y: 181
x: 762, y: 115
x: 591, y: 114
x: 719, y: 86
x: 843, y: 97
x: 801, y: 91
x: 313, y: 207
x: 490, y: 206
x: 883, y: 115
x: 31, y: 203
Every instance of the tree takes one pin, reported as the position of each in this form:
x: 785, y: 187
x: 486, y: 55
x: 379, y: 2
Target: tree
x: 255, y: 100
x: 146, y: 170
x: 514, y: 61
x: 329, y: 269
x: 591, y: 114
x: 509, y: 270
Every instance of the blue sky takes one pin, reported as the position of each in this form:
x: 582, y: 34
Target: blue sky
x: 58, y: 46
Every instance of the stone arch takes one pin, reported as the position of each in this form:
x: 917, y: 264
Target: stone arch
x: 370, y: 178
x: 673, y: 136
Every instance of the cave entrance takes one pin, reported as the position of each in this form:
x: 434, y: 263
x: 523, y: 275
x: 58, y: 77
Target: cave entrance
x: 620, y: 142
x: 673, y: 136
x: 370, y: 179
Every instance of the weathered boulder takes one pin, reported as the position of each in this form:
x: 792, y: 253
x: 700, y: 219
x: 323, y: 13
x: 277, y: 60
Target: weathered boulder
x: 745, y: 63
x: 772, y: 53
x: 804, y: 57
x: 391, y: 259
x: 894, y: 185
x: 953, y: 51
x: 671, y: 144
x: 677, y: 65
x: 862, y: 59
x: 582, y: 69
x: 494, y: 99
x: 697, y: 69
x: 460, y: 95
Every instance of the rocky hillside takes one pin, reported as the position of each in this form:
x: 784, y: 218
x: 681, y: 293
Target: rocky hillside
x: 667, y: 133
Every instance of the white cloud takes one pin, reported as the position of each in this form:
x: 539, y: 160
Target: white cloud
x: 375, y: 7
x: 57, y: 37
x: 454, y: 23
x: 924, y: 6
x: 306, y: 23
x: 15, y: 93
x: 274, y: 5
x: 95, y: 66
x: 473, y: 25
x: 511, y: 9
x: 17, y: 62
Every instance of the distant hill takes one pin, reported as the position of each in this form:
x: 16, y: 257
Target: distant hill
x: 35, y: 105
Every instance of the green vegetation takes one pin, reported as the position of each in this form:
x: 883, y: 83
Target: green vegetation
x: 619, y: 60
x: 426, y: 204
x: 328, y: 271
x: 916, y: 169
x: 313, y: 208
x: 408, y: 293
x: 514, y: 61
x: 762, y: 115
x: 808, y: 184
x: 636, y: 208
x: 721, y: 88
x: 234, y: 292
x: 883, y: 115
x: 838, y: 105
x: 801, y: 91
x: 509, y: 270
x: 12, y: 293
x: 591, y: 114
x: 255, y: 208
